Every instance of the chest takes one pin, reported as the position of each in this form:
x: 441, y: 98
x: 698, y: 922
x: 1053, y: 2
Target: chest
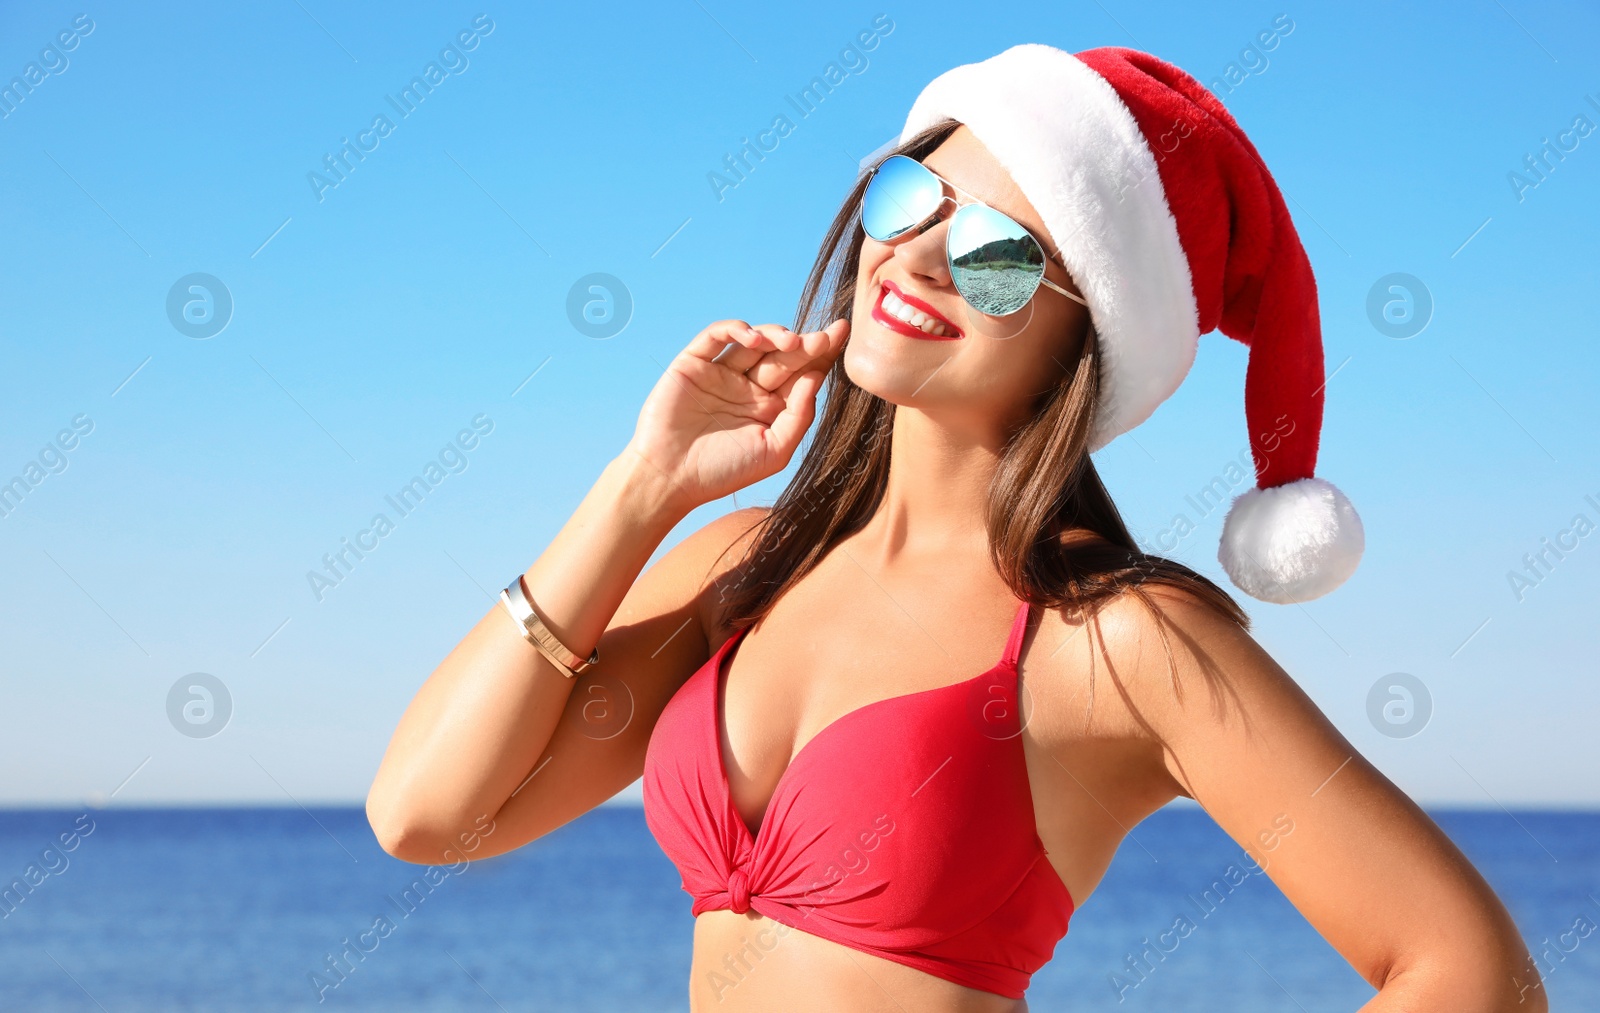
x: 797, y: 684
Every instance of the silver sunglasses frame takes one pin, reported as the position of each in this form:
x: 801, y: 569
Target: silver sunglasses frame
x: 933, y: 219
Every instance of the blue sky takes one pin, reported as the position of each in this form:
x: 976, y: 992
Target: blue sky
x: 374, y: 320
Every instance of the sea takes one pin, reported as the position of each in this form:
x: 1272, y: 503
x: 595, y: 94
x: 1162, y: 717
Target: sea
x: 126, y: 910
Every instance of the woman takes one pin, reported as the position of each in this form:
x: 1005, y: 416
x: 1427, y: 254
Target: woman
x: 863, y: 823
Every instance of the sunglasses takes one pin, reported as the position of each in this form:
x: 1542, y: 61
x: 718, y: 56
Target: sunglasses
x: 995, y: 263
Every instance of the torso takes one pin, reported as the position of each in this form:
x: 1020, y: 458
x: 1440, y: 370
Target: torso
x: 849, y: 634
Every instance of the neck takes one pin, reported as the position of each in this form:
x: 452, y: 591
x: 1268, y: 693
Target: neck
x: 936, y: 499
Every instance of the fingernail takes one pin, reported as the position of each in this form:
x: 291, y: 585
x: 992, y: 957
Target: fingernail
x: 753, y: 332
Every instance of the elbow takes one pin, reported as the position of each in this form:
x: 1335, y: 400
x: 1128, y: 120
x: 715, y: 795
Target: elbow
x: 402, y: 835
x: 425, y: 837
x: 1526, y: 991
x: 1483, y: 979
x: 404, y: 842
x: 397, y: 837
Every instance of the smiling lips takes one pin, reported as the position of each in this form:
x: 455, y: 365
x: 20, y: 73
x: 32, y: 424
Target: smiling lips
x: 908, y: 315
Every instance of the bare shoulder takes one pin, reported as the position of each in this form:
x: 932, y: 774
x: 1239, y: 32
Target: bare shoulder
x: 707, y: 556
x: 1156, y: 656
x: 718, y: 545
x: 1176, y: 651
x: 665, y: 626
x: 674, y: 600
x: 1155, y: 615
x: 1147, y: 614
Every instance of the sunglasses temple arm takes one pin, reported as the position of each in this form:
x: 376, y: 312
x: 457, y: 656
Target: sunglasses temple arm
x: 1058, y: 288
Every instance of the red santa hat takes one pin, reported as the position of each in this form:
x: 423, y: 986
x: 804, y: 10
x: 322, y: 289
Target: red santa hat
x: 1172, y: 227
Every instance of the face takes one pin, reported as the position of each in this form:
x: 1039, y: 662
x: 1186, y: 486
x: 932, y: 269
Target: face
x: 989, y: 368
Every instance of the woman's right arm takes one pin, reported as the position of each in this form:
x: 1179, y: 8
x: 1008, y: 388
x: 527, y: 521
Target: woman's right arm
x: 499, y: 747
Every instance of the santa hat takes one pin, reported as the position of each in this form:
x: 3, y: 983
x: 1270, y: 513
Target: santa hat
x: 1172, y: 227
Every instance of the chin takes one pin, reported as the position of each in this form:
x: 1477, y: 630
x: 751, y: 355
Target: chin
x: 888, y: 365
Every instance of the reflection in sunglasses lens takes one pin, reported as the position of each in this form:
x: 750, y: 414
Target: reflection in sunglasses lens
x: 995, y: 264
x: 902, y: 193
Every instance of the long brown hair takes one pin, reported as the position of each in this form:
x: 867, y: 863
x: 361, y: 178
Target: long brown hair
x: 1045, y: 484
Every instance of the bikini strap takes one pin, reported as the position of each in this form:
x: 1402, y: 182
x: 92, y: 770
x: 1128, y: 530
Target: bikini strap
x: 1019, y: 629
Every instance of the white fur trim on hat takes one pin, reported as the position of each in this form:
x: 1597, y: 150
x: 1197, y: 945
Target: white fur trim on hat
x: 1291, y: 543
x: 1075, y: 151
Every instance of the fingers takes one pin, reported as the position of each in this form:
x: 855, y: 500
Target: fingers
x: 800, y: 407
x: 770, y: 369
x: 816, y: 349
x: 837, y: 332
x: 724, y: 333
x: 784, y: 342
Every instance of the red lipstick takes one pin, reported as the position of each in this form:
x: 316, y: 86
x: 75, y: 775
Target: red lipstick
x: 900, y: 326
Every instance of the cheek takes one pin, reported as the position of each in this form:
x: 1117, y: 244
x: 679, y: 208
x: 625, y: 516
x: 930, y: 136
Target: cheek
x: 863, y: 299
x: 872, y: 258
x: 1017, y: 353
x: 1001, y: 367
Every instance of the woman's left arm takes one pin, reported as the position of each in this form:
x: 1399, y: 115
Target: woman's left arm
x: 1362, y: 862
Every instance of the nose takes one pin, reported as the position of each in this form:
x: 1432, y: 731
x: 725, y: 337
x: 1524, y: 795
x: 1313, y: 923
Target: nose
x: 923, y: 255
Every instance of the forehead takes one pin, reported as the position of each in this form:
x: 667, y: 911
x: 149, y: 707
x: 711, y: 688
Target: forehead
x: 964, y: 161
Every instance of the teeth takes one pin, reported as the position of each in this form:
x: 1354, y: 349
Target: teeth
x: 900, y: 310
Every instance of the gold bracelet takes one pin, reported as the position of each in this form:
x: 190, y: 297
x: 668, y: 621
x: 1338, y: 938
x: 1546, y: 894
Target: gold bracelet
x: 519, y: 606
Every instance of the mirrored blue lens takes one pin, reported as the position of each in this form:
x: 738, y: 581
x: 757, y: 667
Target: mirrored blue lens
x: 995, y: 263
x: 902, y: 194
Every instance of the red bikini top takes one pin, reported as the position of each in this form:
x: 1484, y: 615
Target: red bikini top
x: 905, y: 828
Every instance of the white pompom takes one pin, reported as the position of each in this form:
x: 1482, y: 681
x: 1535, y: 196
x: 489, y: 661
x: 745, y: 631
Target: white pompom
x: 1291, y: 543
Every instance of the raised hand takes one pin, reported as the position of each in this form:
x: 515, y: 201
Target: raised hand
x: 714, y: 424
